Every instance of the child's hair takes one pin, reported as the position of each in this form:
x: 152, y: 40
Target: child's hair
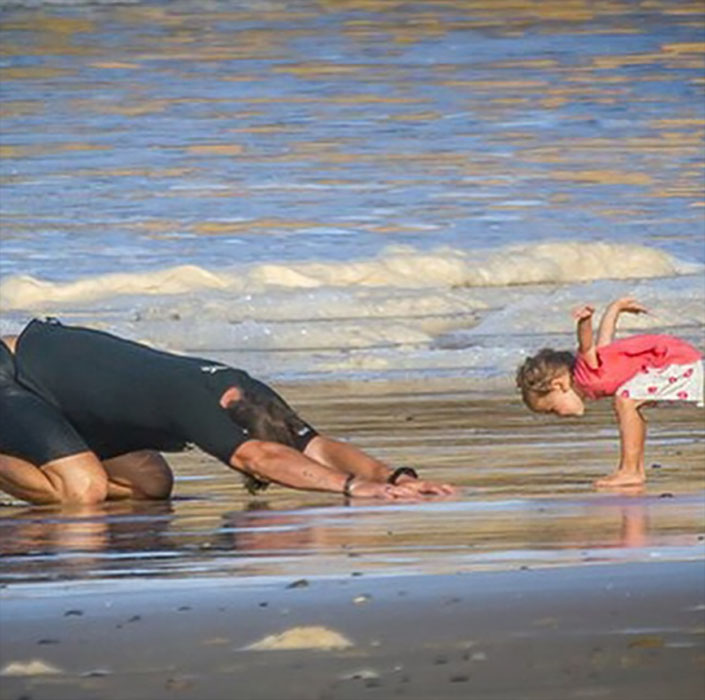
x: 535, y: 375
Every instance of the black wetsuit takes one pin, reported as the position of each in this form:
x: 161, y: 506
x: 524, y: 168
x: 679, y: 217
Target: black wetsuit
x: 70, y: 389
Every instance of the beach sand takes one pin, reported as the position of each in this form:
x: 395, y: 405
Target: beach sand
x: 528, y: 584
x: 607, y: 631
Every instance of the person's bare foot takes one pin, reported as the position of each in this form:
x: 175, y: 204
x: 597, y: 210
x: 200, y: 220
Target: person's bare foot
x: 621, y: 478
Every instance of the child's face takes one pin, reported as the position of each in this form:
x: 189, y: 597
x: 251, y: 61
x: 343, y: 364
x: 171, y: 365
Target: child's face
x: 562, y: 400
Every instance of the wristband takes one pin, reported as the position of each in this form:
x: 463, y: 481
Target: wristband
x: 401, y: 471
x: 346, y: 486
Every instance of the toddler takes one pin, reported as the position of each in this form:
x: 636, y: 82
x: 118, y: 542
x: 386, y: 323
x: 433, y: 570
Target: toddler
x: 635, y: 370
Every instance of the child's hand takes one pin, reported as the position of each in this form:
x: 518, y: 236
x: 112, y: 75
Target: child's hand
x: 631, y: 305
x: 583, y: 312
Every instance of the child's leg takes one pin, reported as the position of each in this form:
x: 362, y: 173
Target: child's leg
x: 632, y: 433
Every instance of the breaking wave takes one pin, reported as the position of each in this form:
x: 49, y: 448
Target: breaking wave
x: 395, y: 267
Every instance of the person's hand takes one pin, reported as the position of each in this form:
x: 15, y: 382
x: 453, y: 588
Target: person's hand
x: 421, y: 487
x: 411, y: 489
x: 362, y: 488
x: 631, y: 305
x: 581, y: 313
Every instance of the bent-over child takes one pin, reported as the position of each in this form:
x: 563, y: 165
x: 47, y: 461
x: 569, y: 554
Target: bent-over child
x: 636, y: 371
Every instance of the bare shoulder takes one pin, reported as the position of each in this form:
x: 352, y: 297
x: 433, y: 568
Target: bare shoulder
x: 10, y: 341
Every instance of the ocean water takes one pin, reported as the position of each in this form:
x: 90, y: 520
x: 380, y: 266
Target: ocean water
x: 356, y: 189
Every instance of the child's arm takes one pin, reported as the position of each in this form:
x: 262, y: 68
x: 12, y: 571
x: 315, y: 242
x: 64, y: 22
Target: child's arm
x: 608, y: 324
x: 586, y: 342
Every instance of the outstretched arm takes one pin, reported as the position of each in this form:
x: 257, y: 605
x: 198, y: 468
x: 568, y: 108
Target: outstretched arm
x: 586, y: 342
x: 281, y: 464
x: 345, y: 458
x: 350, y: 460
x: 608, y: 324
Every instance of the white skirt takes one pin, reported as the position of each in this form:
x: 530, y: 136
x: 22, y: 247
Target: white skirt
x: 672, y: 383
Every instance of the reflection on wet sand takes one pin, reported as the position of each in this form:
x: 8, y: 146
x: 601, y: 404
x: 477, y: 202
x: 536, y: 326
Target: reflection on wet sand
x: 76, y: 542
x: 269, y: 532
x: 106, y: 541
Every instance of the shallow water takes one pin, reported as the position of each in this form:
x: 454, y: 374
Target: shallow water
x: 151, y: 131
x: 525, y: 500
x: 351, y: 188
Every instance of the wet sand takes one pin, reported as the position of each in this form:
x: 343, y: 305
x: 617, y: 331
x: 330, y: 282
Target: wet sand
x: 528, y: 584
x: 626, y: 631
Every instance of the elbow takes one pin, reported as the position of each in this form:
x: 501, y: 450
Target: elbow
x: 252, y: 456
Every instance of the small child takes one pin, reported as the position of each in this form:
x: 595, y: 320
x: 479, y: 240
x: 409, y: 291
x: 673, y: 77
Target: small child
x: 635, y: 370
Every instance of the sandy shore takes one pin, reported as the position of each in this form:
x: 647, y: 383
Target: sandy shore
x: 603, y: 631
x: 529, y: 584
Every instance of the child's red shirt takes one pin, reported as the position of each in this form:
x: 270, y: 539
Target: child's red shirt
x: 618, y: 362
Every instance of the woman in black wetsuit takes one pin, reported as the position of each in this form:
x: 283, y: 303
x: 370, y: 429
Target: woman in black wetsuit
x: 84, y: 416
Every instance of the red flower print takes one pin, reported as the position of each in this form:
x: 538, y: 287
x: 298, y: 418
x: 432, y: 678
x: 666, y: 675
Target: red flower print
x: 688, y: 373
x: 672, y: 380
x: 682, y: 394
x: 625, y: 394
x: 652, y: 389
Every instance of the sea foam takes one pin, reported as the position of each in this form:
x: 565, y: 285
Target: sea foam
x: 395, y: 267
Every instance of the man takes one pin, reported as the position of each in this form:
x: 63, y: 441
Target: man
x: 85, y: 414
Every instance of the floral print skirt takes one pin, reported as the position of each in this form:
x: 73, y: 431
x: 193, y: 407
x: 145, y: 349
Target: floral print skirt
x: 672, y: 383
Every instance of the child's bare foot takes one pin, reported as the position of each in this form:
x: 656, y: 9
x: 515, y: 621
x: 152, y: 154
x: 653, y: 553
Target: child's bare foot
x: 621, y: 478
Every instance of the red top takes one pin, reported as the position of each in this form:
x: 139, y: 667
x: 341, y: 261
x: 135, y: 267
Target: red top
x: 618, y: 362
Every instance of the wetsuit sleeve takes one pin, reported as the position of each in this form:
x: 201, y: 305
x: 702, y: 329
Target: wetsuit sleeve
x: 208, y: 426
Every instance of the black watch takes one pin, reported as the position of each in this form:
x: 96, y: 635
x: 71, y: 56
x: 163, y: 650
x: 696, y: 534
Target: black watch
x: 401, y: 471
x: 346, y: 486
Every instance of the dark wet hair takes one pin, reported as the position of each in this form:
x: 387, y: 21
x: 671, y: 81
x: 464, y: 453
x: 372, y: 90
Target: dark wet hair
x: 265, y: 416
x: 534, y: 376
